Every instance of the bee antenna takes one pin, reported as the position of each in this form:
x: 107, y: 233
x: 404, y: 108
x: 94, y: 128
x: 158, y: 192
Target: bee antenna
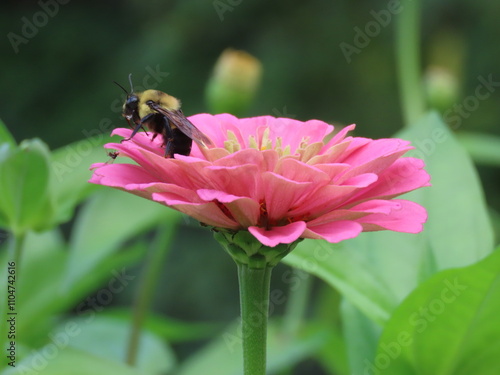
x: 120, y: 86
x: 130, y: 80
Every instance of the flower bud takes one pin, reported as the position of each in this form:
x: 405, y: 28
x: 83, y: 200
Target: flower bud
x: 441, y: 88
x: 234, y: 82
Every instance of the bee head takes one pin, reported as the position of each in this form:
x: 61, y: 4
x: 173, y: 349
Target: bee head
x: 130, y: 106
x: 132, y: 101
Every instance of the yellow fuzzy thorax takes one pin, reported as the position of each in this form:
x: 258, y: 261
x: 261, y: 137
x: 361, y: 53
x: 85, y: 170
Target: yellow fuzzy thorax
x: 166, y: 101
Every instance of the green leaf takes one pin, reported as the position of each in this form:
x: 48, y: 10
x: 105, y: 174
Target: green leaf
x: 361, y: 337
x: 107, y: 337
x: 24, y: 180
x: 45, y: 258
x: 5, y: 136
x: 483, y: 148
x: 106, y: 221
x: 224, y: 356
x: 70, y: 168
x: 54, y: 359
x: 458, y: 231
x: 342, y: 270
x: 448, y: 325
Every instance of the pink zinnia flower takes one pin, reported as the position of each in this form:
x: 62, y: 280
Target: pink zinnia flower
x: 276, y: 178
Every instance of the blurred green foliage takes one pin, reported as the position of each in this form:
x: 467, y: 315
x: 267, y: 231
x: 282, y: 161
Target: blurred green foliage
x: 58, y: 87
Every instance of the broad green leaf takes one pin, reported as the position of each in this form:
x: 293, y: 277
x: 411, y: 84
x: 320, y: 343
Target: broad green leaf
x: 361, y: 337
x: 483, y: 148
x: 70, y: 168
x: 107, y: 338
x: 459, y: 231
x: 54, y: 359
x: 223, y: 356
x: 45, y: 258
x: 106, y: 221
x: 5, y: 136
x: 376, y: 271
x: 349, y: 272
x: 25, y: 203
x: 448, y: 326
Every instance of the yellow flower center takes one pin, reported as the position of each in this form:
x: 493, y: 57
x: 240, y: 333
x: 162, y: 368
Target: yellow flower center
x: 304, y: 152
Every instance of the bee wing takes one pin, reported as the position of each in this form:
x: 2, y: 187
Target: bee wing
x: 180, y: 121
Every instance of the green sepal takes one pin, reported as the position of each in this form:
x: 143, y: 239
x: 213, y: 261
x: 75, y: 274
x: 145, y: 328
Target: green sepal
x: 244, y: 248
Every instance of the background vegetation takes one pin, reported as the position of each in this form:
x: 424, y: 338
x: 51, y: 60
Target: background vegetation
x: 58, y: 87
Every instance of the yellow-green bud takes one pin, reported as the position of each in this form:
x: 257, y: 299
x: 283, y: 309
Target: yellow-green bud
x: 234, y: 82
x: 441, y: 88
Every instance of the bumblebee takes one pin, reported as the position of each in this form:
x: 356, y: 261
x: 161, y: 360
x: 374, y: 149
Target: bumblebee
x: 161, y: 114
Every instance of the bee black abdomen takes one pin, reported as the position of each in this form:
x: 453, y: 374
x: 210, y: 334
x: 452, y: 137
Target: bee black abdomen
x: 181, y: 143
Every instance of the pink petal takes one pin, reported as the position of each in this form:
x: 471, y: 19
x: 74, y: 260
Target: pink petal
x: 210, y: 126
x: 376, y: 155
x: 362, y: 180
x: 339, y: 137
x: 333, y: 169
x: 276, y: 235
x: 292, y: 132
x: 408, y: 218
x: 242, y: 157
x: 282, y: 194
x: 169, y: 192
x: 120, y: 175
x: 323, y: 200
x: 207, y: 213
x: 334, y: 232
x: 141, y: 139
x: 330, y: 197
x: 245, y: 211
x: 298, y: 171
x: 406, y: 174
x: 242, y: 181
x: 330, y: 155
x: 356, y: 212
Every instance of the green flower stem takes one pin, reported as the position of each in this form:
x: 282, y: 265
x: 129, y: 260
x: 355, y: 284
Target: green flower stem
x: 151, y: 274
x: 255, y: 262
x: 408, y: 62
x: 254, y: 299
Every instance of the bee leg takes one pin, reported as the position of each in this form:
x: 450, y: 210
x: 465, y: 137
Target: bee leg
x: 168, y: 138
x: 139, y: 125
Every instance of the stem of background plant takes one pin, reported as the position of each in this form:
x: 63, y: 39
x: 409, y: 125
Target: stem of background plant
x: 254, y: 299
x: 296, y: 306
x: 151, y: 273
x: 295, y: 310
x: 408, y: 62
